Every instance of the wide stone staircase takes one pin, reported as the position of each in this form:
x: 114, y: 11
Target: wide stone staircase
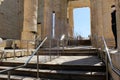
x: 73, y: 63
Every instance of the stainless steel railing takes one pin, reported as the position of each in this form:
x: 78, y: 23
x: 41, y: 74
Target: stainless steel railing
x: 62, y: 39
x: 117, y: 71
x: 60, y: 45
x: 25, y: 64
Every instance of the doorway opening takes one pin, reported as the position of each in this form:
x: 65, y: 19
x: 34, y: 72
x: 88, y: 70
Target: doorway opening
x: 82, y: 26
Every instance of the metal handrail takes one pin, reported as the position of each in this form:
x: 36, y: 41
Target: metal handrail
x: 117, y: 71
x: 63, y: 43
x: 25, y: 64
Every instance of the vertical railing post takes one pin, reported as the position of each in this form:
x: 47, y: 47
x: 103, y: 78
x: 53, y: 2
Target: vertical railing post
x: 58, y: 47
x: 63, y: 45
x: 37, y: 65
x: 97, y: 44
x: 27, y: 47
x: 9, y: 75
x: 50, y: 46
x: 107, y: 74
x: 62, y: 40
x: 14, y: 48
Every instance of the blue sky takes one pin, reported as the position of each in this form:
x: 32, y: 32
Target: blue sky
x: 82, y: 21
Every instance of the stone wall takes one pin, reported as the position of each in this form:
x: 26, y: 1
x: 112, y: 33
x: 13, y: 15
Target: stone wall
x: 11, y: 18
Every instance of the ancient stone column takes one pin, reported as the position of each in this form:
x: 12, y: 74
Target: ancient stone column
x: 47, y: 27
x: 71, y: 29
x: 118, y: 22
x: 99, y: 23
x: 116, y: 56
x: 40, y: 18
x: 93, y: 22
x: 47, y: 22
x: 107, y: 23
x: 30, y: 19
x: 60, y: 9
x: 64, y: 17
x: 92, y: 25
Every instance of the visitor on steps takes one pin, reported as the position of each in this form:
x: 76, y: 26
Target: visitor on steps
x: 113, y: 16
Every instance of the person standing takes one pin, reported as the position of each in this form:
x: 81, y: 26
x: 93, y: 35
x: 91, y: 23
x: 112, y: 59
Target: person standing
x: 114, y: 30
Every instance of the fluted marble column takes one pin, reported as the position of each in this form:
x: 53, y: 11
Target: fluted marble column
x: 107, y: 23
x: 93, y: 22
x: 60, y: 8
x: 47, y: 18
x: 64, y: 17
x: 71, y: 27
x: 118, y: 22
x: 99, y: 25
x: 30, y: 21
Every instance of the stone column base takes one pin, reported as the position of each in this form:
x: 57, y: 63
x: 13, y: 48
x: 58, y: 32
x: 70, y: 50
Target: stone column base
x: 28, y: 40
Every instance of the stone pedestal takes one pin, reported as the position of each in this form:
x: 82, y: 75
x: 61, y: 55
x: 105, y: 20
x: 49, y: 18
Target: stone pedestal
x: 116, y: 63
x: 28, y: 39
x: 113, y: 74
x: 116, y: 59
